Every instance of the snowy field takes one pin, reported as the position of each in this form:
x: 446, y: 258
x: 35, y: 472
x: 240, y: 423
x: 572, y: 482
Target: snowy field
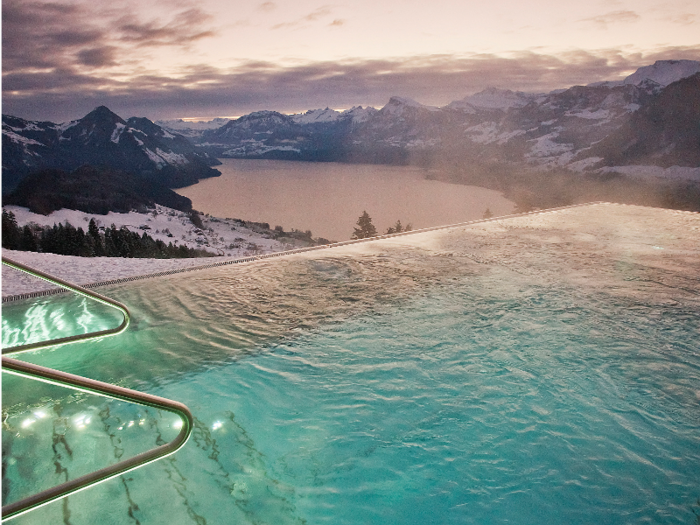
x: 228, y: 238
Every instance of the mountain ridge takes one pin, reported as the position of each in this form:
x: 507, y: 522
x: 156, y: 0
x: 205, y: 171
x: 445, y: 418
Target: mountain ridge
x: 647, y: 119
x: 101, y: 138
x: 577, y: 129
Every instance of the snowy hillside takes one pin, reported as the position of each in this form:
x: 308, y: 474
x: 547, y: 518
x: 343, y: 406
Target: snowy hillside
x: 229, y: 237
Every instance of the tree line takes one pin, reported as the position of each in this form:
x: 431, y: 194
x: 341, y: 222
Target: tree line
x: 365, y: 229
x: 66, y: 239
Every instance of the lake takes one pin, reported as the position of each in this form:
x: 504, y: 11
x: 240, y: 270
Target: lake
x: 328, y: 198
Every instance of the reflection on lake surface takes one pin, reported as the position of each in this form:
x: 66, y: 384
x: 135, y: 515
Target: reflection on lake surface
x: 327, y: 198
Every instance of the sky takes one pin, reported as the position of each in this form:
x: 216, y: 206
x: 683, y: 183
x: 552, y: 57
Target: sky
x: 166, y: 59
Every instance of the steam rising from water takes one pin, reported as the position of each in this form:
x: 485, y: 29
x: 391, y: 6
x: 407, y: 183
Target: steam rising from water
x: 541, y: 369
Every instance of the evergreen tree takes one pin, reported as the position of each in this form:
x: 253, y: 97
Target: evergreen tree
x: 10, y: 231
x: 97, y: 243
x: 27, y: 242
x: 396, y: 228
x: 65, y: 239
x: 366, y: 228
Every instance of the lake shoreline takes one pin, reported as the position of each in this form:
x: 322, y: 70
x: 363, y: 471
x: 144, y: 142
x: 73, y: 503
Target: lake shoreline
x: 327, y: 198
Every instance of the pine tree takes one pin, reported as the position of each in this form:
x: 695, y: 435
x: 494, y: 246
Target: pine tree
x: 94, y: 234
x: 396, y: 228
x: 27, y: 242
x: 366, y: 228
x: 10, y: 231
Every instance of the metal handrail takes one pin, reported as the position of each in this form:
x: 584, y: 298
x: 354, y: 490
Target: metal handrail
x: 73, y: 288
x: 48, y: 375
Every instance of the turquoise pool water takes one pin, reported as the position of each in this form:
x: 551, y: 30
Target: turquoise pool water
x: 458, y: 380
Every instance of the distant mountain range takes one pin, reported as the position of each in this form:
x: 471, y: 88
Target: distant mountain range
x: 102, y: 139
x: 650, y: 118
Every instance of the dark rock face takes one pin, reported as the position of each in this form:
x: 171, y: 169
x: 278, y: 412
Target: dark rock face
x: 92, y: 190
x: 664, y: 132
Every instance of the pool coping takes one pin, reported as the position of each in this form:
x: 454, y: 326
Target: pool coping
x: 254, y: 258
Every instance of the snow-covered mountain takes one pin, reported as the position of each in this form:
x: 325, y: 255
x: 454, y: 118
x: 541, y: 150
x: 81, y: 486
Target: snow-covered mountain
x: 101, y: 138
x: 664, y: 72
x: 493, y: 98
x: 316, y: 116
x: 191, y: 129
x: 314, y: 135
x: 649, y: 118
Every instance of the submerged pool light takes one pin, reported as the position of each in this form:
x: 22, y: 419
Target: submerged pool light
x: 82, y: 384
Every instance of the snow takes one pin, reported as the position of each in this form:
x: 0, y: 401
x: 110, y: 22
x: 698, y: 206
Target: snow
x: 316, y: 115
x: 191, y: 129
x: 420, y: 143
x: 171, y: 158
x: 83, y: 270
x: 167, y: 134
x: 153, y: 156
x: 163, y: 158
x: 589, y: 115
x: 664, y: 72
x: 255, y: 147
x: 583, y: 164
x: 221, y: 236
x: 624, y: 229
x: 29, y: 126
x: 185, y: 125
x: 133, y: 134
x: 117, y: 132
x: 494, y: 98
x: 504, y: 137
x: 488, y: 132
x: 166, y: 220
x: 607, y: 83
x: 32, y: 127
x: 396, y: 105
x: 482, y: 133
x: 545, y: 146
x: 462, y: 106
x: 66, y: 125
x: 359, y: 114
x: 14, y: 137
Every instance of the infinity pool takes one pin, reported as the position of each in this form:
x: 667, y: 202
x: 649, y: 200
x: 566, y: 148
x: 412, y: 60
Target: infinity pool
x: 535, y: 370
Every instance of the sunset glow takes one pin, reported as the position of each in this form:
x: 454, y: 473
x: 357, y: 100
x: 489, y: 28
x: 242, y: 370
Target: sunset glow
x: 168, y: 59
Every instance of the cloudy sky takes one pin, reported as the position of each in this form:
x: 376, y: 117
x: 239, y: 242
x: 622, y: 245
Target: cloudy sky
x: 208, y: 58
